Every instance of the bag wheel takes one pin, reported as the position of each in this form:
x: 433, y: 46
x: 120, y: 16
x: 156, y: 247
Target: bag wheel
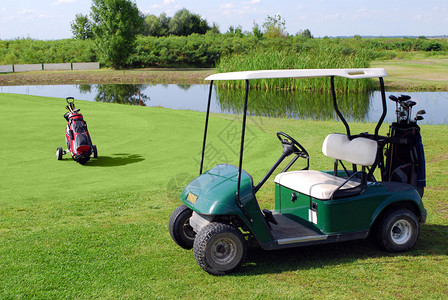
x: 59, y: 153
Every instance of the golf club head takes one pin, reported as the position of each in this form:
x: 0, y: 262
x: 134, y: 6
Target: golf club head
x: 403, y: 98
x: 408, y: 103
x: 393, y: 98
x: 418, y: 118
x: 421, y: 112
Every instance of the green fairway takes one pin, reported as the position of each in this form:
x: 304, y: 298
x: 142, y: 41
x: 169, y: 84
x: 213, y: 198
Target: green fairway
x: 101, y: 230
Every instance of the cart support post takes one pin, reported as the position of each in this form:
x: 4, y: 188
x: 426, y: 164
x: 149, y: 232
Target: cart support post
x: 333, y: 92
x: 240, y: 165
x: 243, y: 132
x: 206, y: 126
x: 383, y: 101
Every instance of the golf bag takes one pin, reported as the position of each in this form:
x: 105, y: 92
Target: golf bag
x: 405, y: 157
x: 77, y: 136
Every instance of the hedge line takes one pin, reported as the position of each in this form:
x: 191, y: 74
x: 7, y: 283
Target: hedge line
x: 203, y: 50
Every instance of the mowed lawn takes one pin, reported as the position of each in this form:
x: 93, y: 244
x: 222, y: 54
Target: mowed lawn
x: 101, y: 230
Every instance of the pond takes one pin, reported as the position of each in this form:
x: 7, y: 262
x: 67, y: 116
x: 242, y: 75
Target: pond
x: 364, y: 107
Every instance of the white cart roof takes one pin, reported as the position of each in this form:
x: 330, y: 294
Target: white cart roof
x: 300, y: 73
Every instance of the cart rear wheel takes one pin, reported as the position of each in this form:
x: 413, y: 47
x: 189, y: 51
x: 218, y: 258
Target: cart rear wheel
x: 179, y: 226
x: 398, y: 231
x: 59, y: 153
x: 219, y: 248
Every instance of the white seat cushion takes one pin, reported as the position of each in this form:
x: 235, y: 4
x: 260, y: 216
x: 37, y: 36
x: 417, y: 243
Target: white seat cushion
x: 316, y: 184
x: 360, y: 151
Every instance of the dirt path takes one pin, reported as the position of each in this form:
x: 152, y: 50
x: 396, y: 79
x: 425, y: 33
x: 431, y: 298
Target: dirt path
x: 105, y: 76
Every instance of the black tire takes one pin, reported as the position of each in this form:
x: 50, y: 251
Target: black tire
x: 219, y: 248
x: 180, y: 230
x: 59, y: 153
x: 95, y: 151
x: 398, y: 231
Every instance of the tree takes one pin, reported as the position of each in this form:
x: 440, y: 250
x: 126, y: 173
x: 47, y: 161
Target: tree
x: 256, y: 31
x: 214, y: 29
x: 115, y: 26
x: 152, y: 26
x: 274, y: 27
x: 81, y: 27
x: 164, y: 24
x: 305, y: 34
x: 184, y: 23
x: 235, y: 31
x: 157, y: 26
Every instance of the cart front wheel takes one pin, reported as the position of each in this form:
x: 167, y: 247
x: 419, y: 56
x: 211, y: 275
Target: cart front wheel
x: 179, y: 226
x: 398, y: 231
x: 219, y: 248
x: 59, y: 153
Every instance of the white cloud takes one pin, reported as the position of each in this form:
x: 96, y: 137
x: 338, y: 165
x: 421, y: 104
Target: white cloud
x: 227, y: 6
x: 59, y: 2
x: 26, y: 12
x: 417, y: 17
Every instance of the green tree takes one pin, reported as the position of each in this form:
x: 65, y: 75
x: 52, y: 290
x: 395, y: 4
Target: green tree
x: 116, y: 24
x: 184, y: 23
x: 274, y: 27
x: 305, y: 34
x: 81, y: 27
x: 256, y: 31
x: 152, y: 26
x: 156, y: 26
x: 214, y: 29
x: 164, y: 24
x: 235, y: 31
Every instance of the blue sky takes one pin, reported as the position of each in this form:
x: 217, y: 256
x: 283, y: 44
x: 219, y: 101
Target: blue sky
x: 50, y: 19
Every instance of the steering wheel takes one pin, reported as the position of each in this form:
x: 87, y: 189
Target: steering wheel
x: 291, y: 145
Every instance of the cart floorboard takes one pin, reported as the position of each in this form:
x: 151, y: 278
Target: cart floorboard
x: 288, y: 231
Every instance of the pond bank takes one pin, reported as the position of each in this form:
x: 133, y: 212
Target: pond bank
x: 108, y: 76
x: 404, y: 75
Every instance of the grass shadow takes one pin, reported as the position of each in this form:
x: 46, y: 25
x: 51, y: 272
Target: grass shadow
x: 433, y: 241
x: 114, y: 161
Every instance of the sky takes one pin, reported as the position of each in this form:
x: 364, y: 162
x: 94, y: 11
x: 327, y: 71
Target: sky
x: 50, y: 19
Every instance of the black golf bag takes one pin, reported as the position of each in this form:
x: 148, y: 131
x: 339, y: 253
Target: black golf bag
x: 405, y: 157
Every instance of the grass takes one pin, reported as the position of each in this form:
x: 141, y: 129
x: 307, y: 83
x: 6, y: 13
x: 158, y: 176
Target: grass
x: 416, y: 73
x: 320, y: 57
x: 100, y: 230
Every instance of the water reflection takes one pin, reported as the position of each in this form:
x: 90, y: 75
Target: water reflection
x: 118, y: 93
x: 364, y: 107
x: 293, y: 104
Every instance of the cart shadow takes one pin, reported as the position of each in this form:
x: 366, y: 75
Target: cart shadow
x: 114, y: 161
x: 433, y: 241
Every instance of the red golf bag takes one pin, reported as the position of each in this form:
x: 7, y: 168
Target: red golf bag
x: 77, y: 136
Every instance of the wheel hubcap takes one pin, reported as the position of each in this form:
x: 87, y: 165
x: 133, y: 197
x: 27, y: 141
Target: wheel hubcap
x: 224, y: 251
x: 188, y: 230
x: 401, y: 232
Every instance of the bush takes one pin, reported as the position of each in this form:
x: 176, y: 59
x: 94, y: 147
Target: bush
x: 206, y: 49
x: 28, y: 51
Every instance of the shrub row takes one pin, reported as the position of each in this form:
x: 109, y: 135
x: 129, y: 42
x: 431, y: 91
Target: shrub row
x: 28, y: 51
x: 204, y: 50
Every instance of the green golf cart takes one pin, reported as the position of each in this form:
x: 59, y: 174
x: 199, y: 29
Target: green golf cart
x: 220, y: 215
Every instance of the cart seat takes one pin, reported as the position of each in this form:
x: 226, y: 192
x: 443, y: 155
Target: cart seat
x: 320, y: 185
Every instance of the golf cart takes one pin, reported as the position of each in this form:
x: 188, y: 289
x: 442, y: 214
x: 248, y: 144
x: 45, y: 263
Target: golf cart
x: 221, y: 216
